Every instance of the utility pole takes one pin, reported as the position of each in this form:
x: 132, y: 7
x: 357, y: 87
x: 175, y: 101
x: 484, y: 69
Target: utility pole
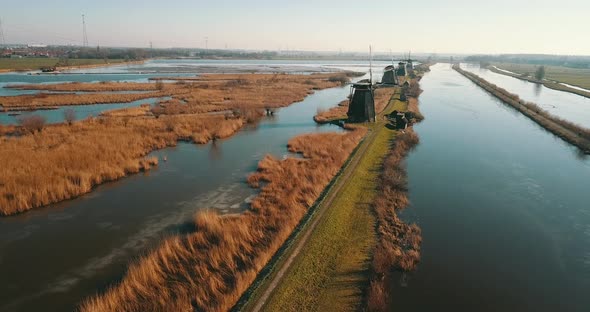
x: 85, y: 35
x: 207, y: 43
x: 2, y: 39
x: 370, y: 64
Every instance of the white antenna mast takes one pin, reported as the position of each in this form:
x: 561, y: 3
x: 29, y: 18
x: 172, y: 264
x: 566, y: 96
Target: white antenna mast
x: 370, y: 65
x: 85, y: 36
x: 2, y: 39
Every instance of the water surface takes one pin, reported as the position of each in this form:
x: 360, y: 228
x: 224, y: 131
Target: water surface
x: 503, y: 207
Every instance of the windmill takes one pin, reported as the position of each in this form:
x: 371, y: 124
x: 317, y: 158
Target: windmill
x: 361, y: 107
x: 389, y: 74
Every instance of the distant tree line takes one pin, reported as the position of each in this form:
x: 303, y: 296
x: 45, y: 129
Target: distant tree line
x: 140, y: 54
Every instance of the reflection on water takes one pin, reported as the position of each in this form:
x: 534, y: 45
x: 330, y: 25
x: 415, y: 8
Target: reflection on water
x: 215, y: 152
x: 503, y: 207
x: 538, y: 88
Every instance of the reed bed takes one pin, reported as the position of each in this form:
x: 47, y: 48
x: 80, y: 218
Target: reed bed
x: 568, y: 131
x: 40, y: 100
x: 252, y: 90
x: 209, y: 269
x: 398, y: 243
x: 105, y: 86
x: 63, y: 161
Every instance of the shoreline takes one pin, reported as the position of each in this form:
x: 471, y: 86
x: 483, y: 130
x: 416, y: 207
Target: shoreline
x: 566, y: 130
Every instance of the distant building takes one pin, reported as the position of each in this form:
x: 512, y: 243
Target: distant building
x: 362, y: 103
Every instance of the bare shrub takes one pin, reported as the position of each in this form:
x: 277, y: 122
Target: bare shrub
x: 159, y: 85
x: 339, y: 78
x: 32, y: 123
x: 69, y: 116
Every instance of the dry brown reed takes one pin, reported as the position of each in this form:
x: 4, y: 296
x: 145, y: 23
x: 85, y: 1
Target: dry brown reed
x: 398, y: 243
x: 209, y: 269
x: 32, y: 101
x: 104, y: 86
x: 63, y: 162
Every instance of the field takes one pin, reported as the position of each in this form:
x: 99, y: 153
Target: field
x: 26, y: 64
x: 572, y: 76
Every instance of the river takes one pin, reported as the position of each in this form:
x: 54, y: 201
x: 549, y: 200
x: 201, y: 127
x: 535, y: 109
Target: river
x: 502, y: 203
x: 53, y: 257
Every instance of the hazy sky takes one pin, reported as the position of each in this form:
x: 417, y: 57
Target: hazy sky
x: 499, y: 26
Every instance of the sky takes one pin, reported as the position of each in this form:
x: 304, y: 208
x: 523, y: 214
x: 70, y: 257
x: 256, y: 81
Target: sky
x: 427, y: 26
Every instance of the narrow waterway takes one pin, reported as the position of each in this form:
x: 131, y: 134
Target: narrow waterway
x: 503, y: 206
x: 569, y: 106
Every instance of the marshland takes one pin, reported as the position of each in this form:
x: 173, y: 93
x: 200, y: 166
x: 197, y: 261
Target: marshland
x: 129, y: 217
x: 294, y: 156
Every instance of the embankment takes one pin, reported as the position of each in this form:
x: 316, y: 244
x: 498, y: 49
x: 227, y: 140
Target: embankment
x: 398, y: 243
x: 566, y: 130
x: 327, y: 267
x: 209, y: 269
x: 555, y: 85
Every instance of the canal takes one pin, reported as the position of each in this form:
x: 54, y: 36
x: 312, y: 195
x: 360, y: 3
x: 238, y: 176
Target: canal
x: 502, y: 203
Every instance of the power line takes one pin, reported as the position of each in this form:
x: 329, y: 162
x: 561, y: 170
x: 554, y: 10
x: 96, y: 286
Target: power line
x: 85, y: 36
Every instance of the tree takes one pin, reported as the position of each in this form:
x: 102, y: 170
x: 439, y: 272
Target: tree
x: 540, y: 73
x: 69, y: 116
